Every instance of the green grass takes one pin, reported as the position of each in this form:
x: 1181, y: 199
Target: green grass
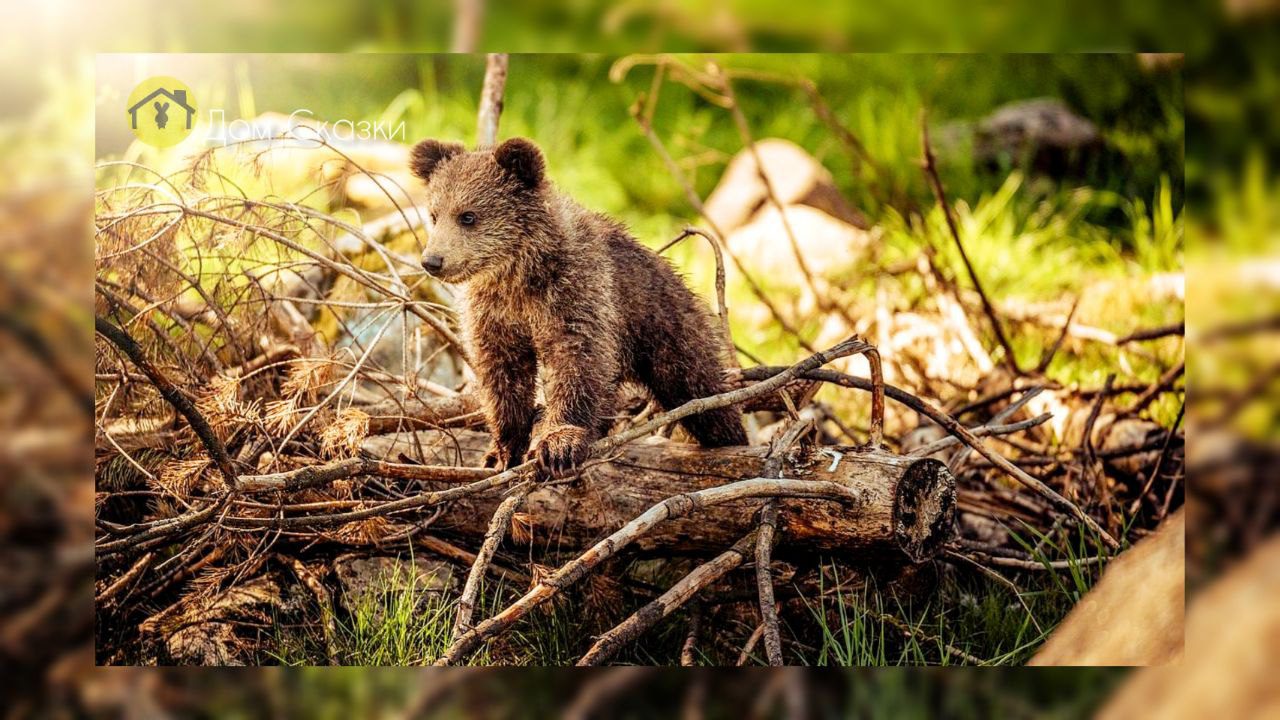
x: 397, y: 621
x: 846, y: 624
x: 968, y: 613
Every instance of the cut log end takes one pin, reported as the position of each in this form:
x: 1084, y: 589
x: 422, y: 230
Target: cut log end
x: 924, y: 509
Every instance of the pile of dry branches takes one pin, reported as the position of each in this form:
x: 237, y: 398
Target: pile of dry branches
x: 278, y: 388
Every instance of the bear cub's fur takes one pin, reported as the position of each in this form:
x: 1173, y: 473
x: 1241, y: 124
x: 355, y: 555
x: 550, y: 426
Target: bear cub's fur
x: 549, y: 285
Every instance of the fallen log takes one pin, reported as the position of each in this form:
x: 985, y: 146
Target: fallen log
x: 390, y: 416
x: 906, y: 504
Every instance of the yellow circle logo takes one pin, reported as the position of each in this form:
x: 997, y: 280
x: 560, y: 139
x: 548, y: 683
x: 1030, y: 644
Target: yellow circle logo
x: 161, y: 111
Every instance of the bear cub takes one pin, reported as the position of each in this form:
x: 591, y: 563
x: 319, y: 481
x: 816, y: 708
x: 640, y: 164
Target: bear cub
x: 547, y: 285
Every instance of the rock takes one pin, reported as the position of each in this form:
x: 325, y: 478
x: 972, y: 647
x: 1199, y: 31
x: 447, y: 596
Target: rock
x: 797, y: 179
x: 361, y: 576
x: 828, y: 245
x: 1044, y: 132
x: 379, y: 190
x: 1113, y: 433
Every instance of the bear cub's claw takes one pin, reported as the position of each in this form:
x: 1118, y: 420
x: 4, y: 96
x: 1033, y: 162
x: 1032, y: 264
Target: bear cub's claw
x: 561, y: 449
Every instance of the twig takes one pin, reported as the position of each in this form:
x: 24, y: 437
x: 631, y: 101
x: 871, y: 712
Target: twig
x: 764, y: 583
x: 752, y: 641
x: 1057, y: 344
x: 127, y: 577
x: 1092, y: 468
x: 493, y: 536
x: 1160, y: 387
x: 690, y: 643
x: 1021, y: 564
x: 764, y: 544
x: 1006, y: 413
x: 1178, y: 328
x: 983, y: 431
x: 453, y: 553
x: 721, y: 306
x: 1164, y: 454
x: 931, y: 172
x: 670, y: 601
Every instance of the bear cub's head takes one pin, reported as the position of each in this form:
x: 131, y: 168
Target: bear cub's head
x: 482, y: 205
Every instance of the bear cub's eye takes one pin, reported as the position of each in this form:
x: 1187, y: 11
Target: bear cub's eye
x: 467, y: 218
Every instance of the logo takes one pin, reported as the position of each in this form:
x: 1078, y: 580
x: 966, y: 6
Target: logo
x: 161, y: 111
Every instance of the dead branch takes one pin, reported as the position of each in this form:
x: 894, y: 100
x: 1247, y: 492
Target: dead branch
x: 982, y: 431
x: 931, y: 172
x: 721, y: 306
x: 495, y: 83
x: 498, y: 525
x: 673, y: 599
x: 764, y: 544
x: 1178, y: 329
x: 674, y: 507
x: 127, y: 345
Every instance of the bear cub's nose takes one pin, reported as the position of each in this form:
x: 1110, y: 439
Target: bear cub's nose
x: 432, y: 263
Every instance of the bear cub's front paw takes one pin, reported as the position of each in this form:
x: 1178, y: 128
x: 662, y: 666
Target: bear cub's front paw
x: 498, y: 457
x: 561, y: 449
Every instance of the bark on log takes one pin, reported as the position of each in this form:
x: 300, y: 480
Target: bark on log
x: 908, y: 508
x: 433, y: 412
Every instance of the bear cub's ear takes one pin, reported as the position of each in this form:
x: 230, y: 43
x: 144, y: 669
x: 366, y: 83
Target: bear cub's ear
x: 522, y: 159
x: 428, y: 154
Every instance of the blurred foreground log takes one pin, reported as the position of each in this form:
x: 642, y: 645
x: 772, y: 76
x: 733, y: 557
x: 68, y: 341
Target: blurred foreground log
x: 1134, y: 616
x: 1228, y: 670
x: 907, y: 503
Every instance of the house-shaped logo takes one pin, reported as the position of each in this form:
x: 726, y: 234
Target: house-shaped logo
x: 161, y: 111
x: 179, y: 97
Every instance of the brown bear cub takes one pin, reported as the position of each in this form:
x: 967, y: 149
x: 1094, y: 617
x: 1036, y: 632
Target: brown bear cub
x: 549, y: 284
